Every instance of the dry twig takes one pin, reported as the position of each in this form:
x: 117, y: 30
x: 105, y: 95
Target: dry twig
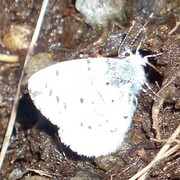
x: 163, y: 153
x: 9, y: 58
x: 16, y: 98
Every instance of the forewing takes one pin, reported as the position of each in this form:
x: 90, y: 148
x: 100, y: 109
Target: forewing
x: 80, y: 98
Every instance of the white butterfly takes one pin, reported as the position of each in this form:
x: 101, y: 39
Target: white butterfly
x: 92, y: 100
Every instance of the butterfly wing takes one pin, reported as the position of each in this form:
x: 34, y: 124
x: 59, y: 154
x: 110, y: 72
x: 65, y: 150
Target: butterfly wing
x: 89, y: 99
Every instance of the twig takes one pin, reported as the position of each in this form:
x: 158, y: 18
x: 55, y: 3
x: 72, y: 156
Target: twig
x: 165, y: 140
x: 36, y: 171
x: 17, y: 95
x: 161, y: 154
x: 9, y: 58
x: 175, y: 28
x: 158, y: 102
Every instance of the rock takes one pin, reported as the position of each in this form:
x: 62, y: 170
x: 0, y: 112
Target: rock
x: 99, y: 13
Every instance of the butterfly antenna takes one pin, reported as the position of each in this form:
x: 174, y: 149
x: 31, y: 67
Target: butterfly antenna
x: 123, y: 41
x: 140, y: 31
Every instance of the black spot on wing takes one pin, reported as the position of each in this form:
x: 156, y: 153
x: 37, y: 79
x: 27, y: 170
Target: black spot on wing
x: 65, y: 106
x: 88, y: 63
x: 81, y: 100
x: 113, y: 130
x: 50, y: 92
x: 57, y: 73
x: 57, y: 99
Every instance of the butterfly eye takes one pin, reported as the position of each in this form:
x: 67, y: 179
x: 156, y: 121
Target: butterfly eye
x: 126, y: 54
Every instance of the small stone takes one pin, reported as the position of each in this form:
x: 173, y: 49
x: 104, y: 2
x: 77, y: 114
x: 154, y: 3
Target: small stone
x: 99, y: 13
x: 17, y: 36
x: 35, y: 63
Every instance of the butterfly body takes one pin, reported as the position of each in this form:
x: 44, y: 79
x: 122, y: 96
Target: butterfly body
x: 92, y: 100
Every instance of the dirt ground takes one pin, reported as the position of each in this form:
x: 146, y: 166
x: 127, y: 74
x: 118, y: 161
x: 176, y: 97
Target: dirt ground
x: 35, y: 151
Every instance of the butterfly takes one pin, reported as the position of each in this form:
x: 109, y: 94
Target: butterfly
x: 91, y: 100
